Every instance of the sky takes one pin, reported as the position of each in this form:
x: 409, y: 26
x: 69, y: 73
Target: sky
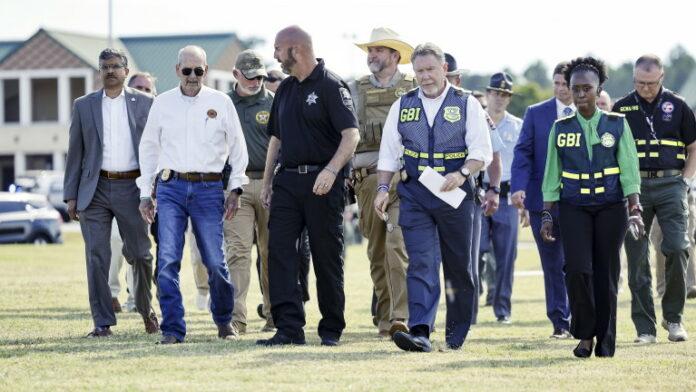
x: 484, y: 36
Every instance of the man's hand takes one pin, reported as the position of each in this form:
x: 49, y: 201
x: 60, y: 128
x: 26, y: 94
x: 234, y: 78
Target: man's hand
x: 518, y: 199
x: 324, y: 182
x: 547, y: 231
x: 452, y: 181
x: 524, y: 218
x: 491, y: 201
x: 381, y: 201
x: 72, y: 210
x: 266, y: 193
x: 231, y: 205
x: 147, y: 210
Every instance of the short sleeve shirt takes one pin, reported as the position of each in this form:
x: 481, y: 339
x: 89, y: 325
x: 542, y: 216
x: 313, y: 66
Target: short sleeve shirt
x: 309, y: 115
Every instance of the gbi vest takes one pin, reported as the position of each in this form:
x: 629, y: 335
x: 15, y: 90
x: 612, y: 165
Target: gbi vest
x: 373, y: 106
x: 442, y: 146
x: 588, y: 182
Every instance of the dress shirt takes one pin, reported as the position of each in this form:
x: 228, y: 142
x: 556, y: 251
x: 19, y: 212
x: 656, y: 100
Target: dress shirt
x: 478, y: 140
x: 192, y: 134
x: 117, y: 147
x: 560, y: 106
x: 508, y: 129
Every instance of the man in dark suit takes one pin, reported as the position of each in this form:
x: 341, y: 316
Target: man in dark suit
x: 100, y: 174
x: 527, y: 175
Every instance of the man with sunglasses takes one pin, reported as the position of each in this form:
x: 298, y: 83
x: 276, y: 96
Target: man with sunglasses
x: 190, y: 133
x: 273, y: 80
x: 99, y: 185
x: 664, y: 128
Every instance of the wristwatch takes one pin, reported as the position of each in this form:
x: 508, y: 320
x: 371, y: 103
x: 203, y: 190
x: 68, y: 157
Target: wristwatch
x: 238, y: 191
x: 465, y: 172
x: 495, y: 189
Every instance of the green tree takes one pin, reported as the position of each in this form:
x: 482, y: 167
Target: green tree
x: 538, y: 73
x: 678, y: 69
x: 525, y: 95
x: 620, y: 80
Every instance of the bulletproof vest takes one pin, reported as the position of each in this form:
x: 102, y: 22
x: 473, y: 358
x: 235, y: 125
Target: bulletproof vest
x: 374, y: 104
x: 442, y: 146
x: 659, y: 147
x: 588, y: 182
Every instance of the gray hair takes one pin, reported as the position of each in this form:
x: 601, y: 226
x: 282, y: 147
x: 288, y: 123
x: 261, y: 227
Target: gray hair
x: 647, y: 61
x: 109, y: 53
x: 145, y: 75
x: 192, y: 50
x: 428, y: 48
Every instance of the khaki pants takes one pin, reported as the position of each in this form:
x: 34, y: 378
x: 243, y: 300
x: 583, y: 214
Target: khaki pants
x: 386, y: 251
x: 656, y: 240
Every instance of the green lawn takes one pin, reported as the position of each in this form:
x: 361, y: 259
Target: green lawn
x: 44, y: 313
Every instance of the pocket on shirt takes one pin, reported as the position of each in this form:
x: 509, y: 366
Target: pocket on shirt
x: 213, y: 132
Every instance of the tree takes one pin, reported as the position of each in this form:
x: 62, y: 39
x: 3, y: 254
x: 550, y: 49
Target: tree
x: 620, y: 80
x: 679, y: 67
x: 538, y: 73
x: 525, y: 95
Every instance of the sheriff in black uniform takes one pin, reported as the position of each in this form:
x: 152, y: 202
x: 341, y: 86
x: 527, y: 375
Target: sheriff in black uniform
x: 664, y: 130
x: 313, y: 121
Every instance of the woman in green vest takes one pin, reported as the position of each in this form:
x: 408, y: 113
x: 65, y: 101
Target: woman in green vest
x: 591, y: 169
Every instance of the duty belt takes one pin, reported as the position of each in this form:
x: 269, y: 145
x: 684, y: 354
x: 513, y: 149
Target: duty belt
x: 191, y: 177
x: 303, y: 169
x: 362, y: 173
x: 659, y: 173
x: 114, y: 175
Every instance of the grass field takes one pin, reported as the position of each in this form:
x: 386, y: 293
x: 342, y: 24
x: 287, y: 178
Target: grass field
x: 44, y: 315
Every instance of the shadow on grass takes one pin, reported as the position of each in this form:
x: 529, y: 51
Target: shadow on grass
x: 60, y: 313
x: 501, y: 363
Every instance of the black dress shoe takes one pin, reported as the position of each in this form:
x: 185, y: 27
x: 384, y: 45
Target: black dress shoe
x: 280, y: 340
x: 100, y: 332
x: 169, y: 339
x: 408, y: 342
x: 331, y: 342
x: 582, y: 352
x: 259, y: 310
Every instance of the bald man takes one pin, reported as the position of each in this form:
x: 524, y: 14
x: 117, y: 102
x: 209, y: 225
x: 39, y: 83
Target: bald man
x: 191, y: 131
x: 313, y: 121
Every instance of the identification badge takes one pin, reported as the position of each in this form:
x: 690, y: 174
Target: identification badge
x: 166, y: 175
x: 404, y: 175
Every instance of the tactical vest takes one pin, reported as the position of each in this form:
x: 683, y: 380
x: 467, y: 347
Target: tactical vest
x: 442, y: 146
x: 663, y: 149
x: 374, y: 104
x: 585, y: 182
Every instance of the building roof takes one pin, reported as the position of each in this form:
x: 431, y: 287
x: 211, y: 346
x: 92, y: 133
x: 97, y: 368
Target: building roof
x: 157, y: 54
x: 88, y: 47
x: 7, y: 47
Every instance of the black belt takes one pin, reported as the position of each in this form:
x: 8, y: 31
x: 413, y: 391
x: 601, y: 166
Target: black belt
x: 659, y: 173
x: 113, y: 175
x: 303, y: 169
x: 362, y: 173
x: 194, y: 176
x: 254, y: 175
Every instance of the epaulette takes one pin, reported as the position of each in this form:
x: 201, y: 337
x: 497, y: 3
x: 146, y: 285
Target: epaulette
x: 614, y: 116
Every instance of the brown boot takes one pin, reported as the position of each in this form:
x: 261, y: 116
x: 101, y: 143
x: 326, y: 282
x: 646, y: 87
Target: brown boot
x: 151, y: 323
x: 116, y: 305
x: 225, y: 331
x: 398, y: 325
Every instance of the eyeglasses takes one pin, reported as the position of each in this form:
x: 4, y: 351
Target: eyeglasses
x: 644, y: 84
x: 109, y: 67
x: 199, y: 71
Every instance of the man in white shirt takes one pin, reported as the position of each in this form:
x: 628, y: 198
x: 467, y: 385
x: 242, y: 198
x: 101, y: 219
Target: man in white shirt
x: 444, y: 128
x: 191, y: 131
x: 99, y: 185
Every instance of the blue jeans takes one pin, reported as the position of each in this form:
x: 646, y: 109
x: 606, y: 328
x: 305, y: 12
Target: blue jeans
x: 203, y: 202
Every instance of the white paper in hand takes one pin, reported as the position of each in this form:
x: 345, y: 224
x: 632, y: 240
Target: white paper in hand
x: 434, y: 180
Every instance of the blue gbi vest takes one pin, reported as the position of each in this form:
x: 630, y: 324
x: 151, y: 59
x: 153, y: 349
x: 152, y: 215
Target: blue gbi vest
x: 585, y: 182
x: 442, y: 146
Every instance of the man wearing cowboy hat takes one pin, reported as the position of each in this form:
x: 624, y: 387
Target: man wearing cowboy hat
x: 500, y: 229
x: 374, y: 94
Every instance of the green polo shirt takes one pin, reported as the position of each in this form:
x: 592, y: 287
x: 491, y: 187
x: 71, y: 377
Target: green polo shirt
x: 627, y: 158
x: 254, y: 111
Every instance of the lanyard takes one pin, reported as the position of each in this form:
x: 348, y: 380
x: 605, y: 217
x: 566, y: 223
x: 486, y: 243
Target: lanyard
x: 649, y: 117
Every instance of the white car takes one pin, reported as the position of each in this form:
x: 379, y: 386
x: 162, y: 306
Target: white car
x: 28, y: 218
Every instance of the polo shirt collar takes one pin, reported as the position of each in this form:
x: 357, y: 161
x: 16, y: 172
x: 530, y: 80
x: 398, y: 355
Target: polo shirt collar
x: 236, y: 98
x: 318, y: 70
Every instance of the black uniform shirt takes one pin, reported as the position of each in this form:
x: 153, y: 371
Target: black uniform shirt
x: 308, y: 117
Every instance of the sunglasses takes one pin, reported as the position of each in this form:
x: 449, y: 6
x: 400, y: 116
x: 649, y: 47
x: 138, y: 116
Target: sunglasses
x: 272, y: 79
x: 198, y: 71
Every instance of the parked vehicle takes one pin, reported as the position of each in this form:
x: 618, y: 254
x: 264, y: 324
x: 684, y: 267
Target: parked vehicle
x: 45, y: 182
x: 28, y: 218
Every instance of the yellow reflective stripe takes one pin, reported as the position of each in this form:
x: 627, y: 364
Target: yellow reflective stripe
x: 598, y: 175
x: 585, y: 191
x: 436, y: 168
x: 455, y: 155
x: 673, y: 143
x: 438, y: 155
x: 572, y: 176
x: 611, y: 170
x: 654, y: 154
x: 640, y: 142
x: 599, y: 190
x: 681, y: 156
x: 585, y: 176
x: 654, y: 142
x: 423, y: 155
x: 641, y: 155
x: 410, y: 153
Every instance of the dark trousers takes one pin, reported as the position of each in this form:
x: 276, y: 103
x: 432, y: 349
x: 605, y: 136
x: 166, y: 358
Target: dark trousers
x: 475, y: 249
x: 592, y: 243
x: 552, y: 261
x: 432, y: 229
x: 664, y: 198
x: 294, y: 207
x: 115, y: 199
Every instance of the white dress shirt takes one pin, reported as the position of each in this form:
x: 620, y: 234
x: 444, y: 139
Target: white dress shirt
x: 560, y: 107
x: 478, y: 140
x: 117, y: 147
x: 192, y: 134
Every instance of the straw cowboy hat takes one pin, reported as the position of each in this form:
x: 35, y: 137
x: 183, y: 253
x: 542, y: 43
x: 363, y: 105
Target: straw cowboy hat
x: 382, y: 36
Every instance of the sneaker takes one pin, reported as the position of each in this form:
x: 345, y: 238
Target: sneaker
x: 560, y: 333
x: 505, y: 320
x: 202, y: 302
x: 645, y: 339
x: 677, y: 333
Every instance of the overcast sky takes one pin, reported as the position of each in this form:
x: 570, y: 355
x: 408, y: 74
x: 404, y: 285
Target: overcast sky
x: 484, y: 36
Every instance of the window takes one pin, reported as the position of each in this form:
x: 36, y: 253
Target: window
x: 11, y: 96
x: 77, y: 88
x: 40, y: 162
x: 44, y: 100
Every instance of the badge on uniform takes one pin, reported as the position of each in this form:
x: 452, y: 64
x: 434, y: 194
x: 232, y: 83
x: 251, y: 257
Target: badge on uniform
x: 166, y: 175
x: 399, y: 92
x: 608, y: 140
x: 667, y: 109
x: 452, y: 114
x: 312, y: 98
x: 262, y: 117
